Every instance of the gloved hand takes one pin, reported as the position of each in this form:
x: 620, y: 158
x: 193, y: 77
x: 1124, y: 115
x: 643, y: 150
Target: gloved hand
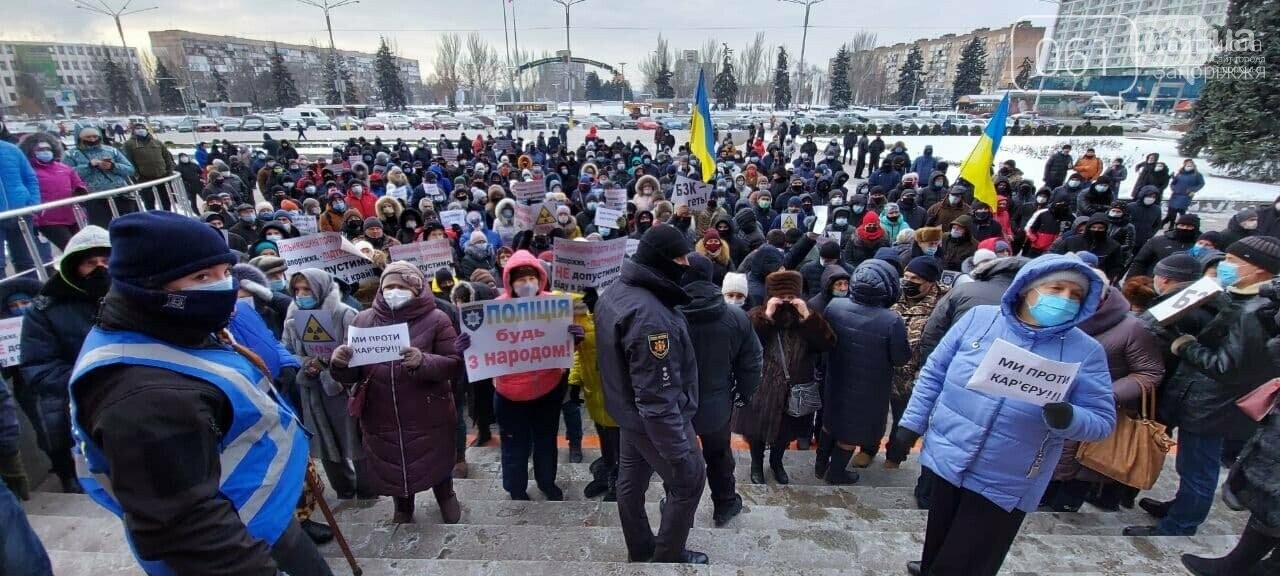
x: 462, y: 342
x: 14, y: 475
x: 905, y: 437
x: 1058, y: 415
x: 341, y: 356
x: 411, y: 357
x: 579, y: 334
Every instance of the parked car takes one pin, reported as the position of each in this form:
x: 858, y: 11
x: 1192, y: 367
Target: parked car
x: 647, y: 123
x: 374, y: 124
x: 425, y: 124
x: 228, y: 123
x: 187, y: 125
x: 254, y: 123
x: 271, y: 122
x: 1103, y: 114
x: 447, y: 123
x: 207, y: 126
x: 1131, y: 125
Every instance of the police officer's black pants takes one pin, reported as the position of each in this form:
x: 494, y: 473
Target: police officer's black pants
x: 718, y: 455
x: 529, y: 429
x: 683, y: 484
x: 967, y: 535
x: 295, y: 553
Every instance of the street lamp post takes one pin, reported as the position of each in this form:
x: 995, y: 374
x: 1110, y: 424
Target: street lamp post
x: 568, y: 52
x: 804, y: 38
x: 103, y: 8
x: 326, y: 6
x: 622, y: 88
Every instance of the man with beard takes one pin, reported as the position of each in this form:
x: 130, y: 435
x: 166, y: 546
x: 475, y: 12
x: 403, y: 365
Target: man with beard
x: 52, y: 333
x: 651, y: 388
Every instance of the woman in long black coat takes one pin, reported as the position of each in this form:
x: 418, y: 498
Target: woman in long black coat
x: 871, y: 341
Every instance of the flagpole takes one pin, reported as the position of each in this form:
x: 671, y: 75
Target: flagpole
x: 515, y: 34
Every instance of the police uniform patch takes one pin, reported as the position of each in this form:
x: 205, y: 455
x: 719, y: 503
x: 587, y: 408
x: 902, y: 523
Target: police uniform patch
x: 659, y: 345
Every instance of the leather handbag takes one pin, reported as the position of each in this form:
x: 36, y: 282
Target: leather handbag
x: 355, y: 402
x: 1134, y: 453
x: 1261, y: 401
x: 802, y: 399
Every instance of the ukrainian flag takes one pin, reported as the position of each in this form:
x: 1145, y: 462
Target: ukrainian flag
x: 702, y: 133
x: 976, y: 169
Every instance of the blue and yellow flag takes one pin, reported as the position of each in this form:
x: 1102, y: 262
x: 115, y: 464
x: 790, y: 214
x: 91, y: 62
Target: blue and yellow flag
x: 977, y: 167
x: 702, y: 132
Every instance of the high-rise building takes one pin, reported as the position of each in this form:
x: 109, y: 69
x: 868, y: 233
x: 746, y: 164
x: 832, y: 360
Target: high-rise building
x: 1146, y: 51
x: 1006, y: 48
x: 33, y: 73
x: 245, y: 64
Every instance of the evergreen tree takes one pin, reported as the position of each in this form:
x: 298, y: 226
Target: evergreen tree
x: 117, y: 81
x: 592, y: 87
x: 841, y: 94
x: 331, y: 82
x: 167, y: 86
x: 970, y: 71
x: 662, y: 85
x: 282, y: 85
x: 390, y: 87
x: 349, y: 85
x: 781, y: 82
x: 726, y: 88
x: 911, y: 78
x: 616, y: 88
x: 1232, y: 121
x: 1024, y: 73
x: 219, y: 86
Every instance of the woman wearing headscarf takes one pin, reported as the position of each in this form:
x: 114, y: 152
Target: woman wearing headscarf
x: 792, y: 336
x: 991, y: 456
x: 871, y: 340
x: 406, y: 409
x: 322, y: 399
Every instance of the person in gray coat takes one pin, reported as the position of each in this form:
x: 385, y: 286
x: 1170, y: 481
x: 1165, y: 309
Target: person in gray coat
x: 650, y: 374
x: 729, y: 355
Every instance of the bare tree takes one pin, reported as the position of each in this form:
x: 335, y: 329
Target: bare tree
x: 481, y: 66
x: 866, y: 77
x: 751, y: 68
x: 709, y: 60
x: 448, y: 64
x: 654, y: 62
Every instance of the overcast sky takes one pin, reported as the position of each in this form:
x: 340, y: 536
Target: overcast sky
x: 613, y: 31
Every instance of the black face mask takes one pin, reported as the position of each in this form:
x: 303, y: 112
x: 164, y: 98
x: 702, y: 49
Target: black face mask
x: 911, y: 289
x: 96, y: 282
x: 1096, y: 236
x: 1184, y: 235
x: 354, y: 227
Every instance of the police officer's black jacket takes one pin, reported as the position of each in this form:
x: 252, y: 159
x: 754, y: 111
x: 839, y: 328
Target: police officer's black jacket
x: 647, y: 360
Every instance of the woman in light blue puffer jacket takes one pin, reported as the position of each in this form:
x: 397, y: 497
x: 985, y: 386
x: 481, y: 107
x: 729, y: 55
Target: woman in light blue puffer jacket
x: 993, y: 456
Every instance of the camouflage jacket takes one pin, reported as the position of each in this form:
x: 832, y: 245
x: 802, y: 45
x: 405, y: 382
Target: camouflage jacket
x: 915, y: 315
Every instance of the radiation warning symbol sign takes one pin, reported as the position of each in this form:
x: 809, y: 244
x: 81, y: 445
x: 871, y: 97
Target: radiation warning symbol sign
x: 545, y: 216
x: 315, y: 332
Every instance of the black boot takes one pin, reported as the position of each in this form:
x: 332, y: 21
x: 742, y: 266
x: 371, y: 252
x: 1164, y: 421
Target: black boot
x: 1105, y: 496
x: 1155, y: 508
x: 757, y: 463
x: 319, y: 533
x: 775, y: 464
x: 1252, y: 547
x: 823, y: 457
x: 838, y: 472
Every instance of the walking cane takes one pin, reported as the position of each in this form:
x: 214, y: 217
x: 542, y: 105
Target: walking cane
x: 333, y: 524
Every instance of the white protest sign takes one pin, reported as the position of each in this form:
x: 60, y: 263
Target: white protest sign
x: 1189, y: 298
x: 633, y: 244
x: 328, y: 251
x: 534, y: 190
x: 582, y: 265
x: 11, y: 341
x: 449, y: 154
x: 377, y: 344
x: 450, y: 217
x: 306, y: 224
x: 351, y: 160
x: 820, y: 214
x: 691, y: 193
x: 1014, y: 373
x: 834, y: 235
x: 613, y: 218
x: 520, y: 335
x: 524, y: 217
x: 428, y: 256
x: 790, y: 220
x: 315, y: 329
x: 432, y: 191
x: 615, y: 198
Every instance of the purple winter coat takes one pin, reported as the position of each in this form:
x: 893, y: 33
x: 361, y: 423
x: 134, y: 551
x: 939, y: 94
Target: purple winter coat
x: 1135, y: 360
x: 409, y: 421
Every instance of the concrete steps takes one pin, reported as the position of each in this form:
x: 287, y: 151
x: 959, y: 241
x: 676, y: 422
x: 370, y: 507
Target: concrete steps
x: 806, y: 528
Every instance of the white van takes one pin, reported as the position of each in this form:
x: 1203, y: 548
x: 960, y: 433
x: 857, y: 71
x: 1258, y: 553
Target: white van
x: 308, y: 115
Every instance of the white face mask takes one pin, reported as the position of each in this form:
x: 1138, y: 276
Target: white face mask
x: 396, y: 297
x: 734, y: 301
x: 1149, y: 200
x: 527, y: 290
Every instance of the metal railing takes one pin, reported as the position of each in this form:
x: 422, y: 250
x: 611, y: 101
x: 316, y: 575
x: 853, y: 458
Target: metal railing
x: 171, y: 184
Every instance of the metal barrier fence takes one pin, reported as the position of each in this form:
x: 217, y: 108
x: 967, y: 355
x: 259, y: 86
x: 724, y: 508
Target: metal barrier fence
x: 172, y: 186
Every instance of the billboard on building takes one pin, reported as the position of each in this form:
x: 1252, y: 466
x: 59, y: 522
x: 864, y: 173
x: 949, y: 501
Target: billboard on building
x: 37, y: 75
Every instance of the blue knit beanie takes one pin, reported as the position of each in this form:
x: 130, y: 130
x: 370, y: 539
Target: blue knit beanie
x: 151, y: 249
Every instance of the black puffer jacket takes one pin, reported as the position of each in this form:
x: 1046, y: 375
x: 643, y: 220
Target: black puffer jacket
x: 1224, y: 362
x: 728, y: 353
x: 1156, y: 249
x: 52, y: 334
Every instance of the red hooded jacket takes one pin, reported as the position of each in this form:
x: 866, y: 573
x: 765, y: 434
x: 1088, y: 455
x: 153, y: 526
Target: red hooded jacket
x: 531, y: 385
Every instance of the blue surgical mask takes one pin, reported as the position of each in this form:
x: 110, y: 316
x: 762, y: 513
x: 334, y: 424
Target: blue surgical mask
x: 1228, y: 274
x: 842, y: 221
x: 839, y: 293
x: 1053, y: 310
x: 223, y: 285
x: 307, y: 302
x: 931, y: 250
x: 1195, y: 251
x: 278, y: 285
x: 339, y: 207
x: 45, y: 156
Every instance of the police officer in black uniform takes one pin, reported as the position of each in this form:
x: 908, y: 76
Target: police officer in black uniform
x: 651, y: 389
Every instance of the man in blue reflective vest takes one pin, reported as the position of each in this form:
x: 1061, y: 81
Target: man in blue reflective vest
x: 178, y: 431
